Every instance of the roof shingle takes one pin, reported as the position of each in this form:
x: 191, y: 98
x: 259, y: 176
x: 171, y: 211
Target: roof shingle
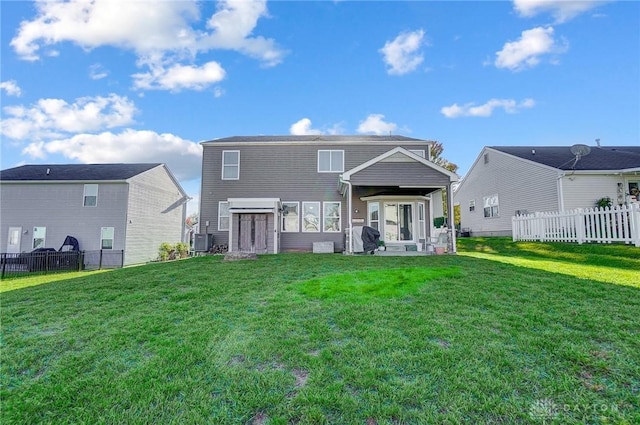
x: 600, y: 158
x: 80, y: 172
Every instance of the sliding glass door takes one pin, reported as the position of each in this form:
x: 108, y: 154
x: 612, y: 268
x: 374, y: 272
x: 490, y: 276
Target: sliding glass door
x: 398, y: 222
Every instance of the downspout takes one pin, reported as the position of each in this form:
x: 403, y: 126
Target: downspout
x: 349, y: 213
x: 560, y: 191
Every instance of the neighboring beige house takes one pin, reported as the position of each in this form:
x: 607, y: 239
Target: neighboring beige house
x: 129, y: 207
x: 507, y: 180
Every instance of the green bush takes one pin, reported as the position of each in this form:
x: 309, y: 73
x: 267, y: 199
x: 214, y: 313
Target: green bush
x: 165, y: 251
x: 182, y: 249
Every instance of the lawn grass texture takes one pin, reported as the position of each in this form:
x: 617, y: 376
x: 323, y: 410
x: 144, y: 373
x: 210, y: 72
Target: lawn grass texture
x: 313, y: 339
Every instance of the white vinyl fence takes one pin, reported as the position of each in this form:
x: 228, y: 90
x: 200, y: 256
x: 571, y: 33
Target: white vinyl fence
x: 604, y: 225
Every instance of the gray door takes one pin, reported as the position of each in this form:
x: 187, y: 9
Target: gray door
x: 253, y: 233
x: 13, y: 240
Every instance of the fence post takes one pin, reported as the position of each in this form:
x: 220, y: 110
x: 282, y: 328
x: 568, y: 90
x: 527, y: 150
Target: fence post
x: 121, y: 258
x: 634, y: 222
x: 4, y: 264
x: 580, y: 226
x: 100, y: 261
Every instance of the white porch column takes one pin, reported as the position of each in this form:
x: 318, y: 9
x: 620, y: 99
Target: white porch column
x: 451, y: 222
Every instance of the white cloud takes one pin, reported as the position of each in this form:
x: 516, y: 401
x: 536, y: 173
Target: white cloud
x: 161, y: 33
x: 50, y: 118
x: 375, y: 124
x: 303, y: 127
x: 561, y: 10
x: 402, y: 54
x: 486, y: 110
x: 97, y: 72
x: 183, y: 157
x: 526, y: 52
x: 178, y: 77
x: 218, y: 92
x: 232, y: 26
x: 11, y: 88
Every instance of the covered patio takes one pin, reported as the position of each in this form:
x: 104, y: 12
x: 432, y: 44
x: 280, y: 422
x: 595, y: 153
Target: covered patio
x: 396, y: 193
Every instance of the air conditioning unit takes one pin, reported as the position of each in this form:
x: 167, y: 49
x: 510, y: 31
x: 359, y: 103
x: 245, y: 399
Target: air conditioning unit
x: 202, y: 242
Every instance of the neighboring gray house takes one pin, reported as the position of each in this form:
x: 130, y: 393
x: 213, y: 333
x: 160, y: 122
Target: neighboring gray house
x: 269, y: 194
x: 130, y: 207
x: 507, y: 180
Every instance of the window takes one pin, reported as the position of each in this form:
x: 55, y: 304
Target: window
x: 421, y: 220
x: 398, y: 222
x: 90, y: 195
x: 230, y: 165
x: 491, y: 205
x: 486, y: 158
x: 419, y: 152
x: 223, y: 215
x: 331, y: 216
x: 290, y: 216
x: 311, y: 216
x: 472, y: 205
x: 106, y: 238
x: 39, y: 237
x: 374, y: 215
x: 330, y: 161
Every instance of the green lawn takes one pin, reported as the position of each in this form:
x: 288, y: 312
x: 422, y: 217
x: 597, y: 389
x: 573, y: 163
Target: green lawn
x: 503, y: 333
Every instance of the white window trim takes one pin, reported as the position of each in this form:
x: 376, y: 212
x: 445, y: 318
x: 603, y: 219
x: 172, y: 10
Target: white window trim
x: 487, y: 203
x: 472, y: 205
x: 369, y: 221
x: 422, y: 230
x: 230, y: 165
x: 84, y: 195
x: 113, y: 238
x: 339, y: 217
x: 298, y: 221
x: 413, y: 220
x: 220, y: 228
x: 331, y: 168
x: 44, y: 238
x: 319, y: 217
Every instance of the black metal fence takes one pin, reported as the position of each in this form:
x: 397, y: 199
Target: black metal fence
x: 51, y: 261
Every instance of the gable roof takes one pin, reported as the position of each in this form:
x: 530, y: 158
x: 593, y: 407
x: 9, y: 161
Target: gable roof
x: 74, y: 172
x: 402, y: 151
x: 601, y: 158
x: 313, y: 139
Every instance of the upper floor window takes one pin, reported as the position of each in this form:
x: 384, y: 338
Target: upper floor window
x: 90, y: 195
x: 491, y: 206
x: 330, y: 161
x: 230, y: 165
x: 472, y: 205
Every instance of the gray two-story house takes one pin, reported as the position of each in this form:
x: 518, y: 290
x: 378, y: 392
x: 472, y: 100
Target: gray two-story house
x: 270, y: 194
x: 128, y: 207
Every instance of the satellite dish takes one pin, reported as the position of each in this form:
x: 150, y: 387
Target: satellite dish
x: 580, y: 150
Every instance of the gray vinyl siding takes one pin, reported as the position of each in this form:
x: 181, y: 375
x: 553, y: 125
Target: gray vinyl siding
x: 59, y: 208
x: 155, y: 215
x: 287, y: 172
x: 519, y: 184
x: 399, y: 173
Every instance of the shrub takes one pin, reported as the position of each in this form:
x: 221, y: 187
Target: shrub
x: 165, y: 251
x: 182, y: 249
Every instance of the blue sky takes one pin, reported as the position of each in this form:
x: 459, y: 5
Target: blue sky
x: 113, y: 81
